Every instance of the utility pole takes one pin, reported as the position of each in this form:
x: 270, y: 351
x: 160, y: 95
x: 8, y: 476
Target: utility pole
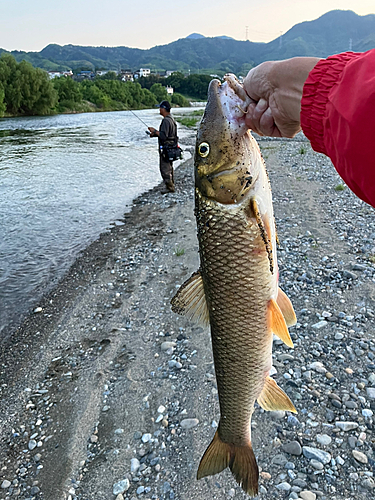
x: 247, y: 33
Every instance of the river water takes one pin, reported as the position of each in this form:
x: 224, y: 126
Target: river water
x: 63, y: 180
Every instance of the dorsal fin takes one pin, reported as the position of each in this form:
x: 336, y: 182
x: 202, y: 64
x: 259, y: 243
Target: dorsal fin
x: 190, y: 300
x: 286, y: 307
x: 276, y: 323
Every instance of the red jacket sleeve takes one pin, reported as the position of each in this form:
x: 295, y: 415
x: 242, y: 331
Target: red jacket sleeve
x: 338, y: 117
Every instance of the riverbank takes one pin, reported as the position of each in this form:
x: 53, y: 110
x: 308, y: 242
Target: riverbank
x: 107, y: 394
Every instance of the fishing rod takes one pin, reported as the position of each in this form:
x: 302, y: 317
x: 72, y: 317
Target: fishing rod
x: 140, y: 119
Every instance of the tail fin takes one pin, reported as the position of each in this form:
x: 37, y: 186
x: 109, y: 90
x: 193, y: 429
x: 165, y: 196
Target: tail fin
x: 240, y: 459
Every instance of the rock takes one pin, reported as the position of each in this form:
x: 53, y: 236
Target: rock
x: 134, y: 465
x: 5, y: 484
x: 367, y: 413
x: 161, y: 409
x: 34, y: 490
x: 38, y: 310
x: 146, y: 437
x: 323, y: 439
x: 120, y: 496
x: 369, y: 483
x: 348, y: 274
x: 319, y: 325
x: 317, y: 366
x: 316, y: 465
x: 347, y: 426
x: 370, y: 392
x: 279, y: 459
x: 316, y: 454
x: 277, y: 415
x: 360, y: 457
x: 283, y: 486
x: 339, y: 336
x: 32, y: 444
x: 189, y: 423
x: 307, y: 495
x: 293, y: 448
x: 140, y: 490
x: 121, y: 486
x: 167, y: 345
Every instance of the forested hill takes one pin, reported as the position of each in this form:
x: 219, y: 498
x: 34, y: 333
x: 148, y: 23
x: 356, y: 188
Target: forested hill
x: 334, y: 32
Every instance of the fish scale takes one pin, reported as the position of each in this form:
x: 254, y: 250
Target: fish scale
x: 237, y: 310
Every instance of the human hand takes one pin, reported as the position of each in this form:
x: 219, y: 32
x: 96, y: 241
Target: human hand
x: 153, y: 131
x: 275, y: 88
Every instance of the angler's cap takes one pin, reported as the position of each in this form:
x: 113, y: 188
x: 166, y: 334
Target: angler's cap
x: 165, y: 105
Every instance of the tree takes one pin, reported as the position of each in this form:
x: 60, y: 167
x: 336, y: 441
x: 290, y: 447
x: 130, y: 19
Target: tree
x: 2, y: 103
x: 159, y: 91
x: 180, y: 100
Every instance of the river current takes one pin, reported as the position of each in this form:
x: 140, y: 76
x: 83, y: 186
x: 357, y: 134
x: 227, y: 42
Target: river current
x: 64, y: 180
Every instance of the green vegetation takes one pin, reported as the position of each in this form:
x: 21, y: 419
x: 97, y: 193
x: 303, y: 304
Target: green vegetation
x: 179, y: 251
x: 339, y: 187
x: 302, y: 150
x: 187, y: 121
x: 195, y: 86
x: 24, y: 90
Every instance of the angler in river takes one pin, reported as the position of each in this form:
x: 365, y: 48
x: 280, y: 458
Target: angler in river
x: 167, y: 136
x: 236, y: 288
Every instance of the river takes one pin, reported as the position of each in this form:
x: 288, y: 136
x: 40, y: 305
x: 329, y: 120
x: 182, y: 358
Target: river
x: 63, y: 180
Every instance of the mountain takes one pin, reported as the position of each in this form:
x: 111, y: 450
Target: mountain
x: 334, y: 32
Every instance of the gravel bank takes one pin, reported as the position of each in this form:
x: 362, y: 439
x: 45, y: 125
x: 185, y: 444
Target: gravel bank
x: 106, y: 394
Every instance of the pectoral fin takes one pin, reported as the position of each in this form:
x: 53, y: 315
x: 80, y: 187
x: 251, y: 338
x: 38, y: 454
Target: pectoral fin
x: 277, y: 324
x: 190, y: 300
x: 273, y: 398
x: 286, y: 307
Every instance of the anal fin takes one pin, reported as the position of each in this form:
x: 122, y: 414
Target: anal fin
x: 277, y: 324
x: 240, y: 459
x: 273, y: 398
x: 286, y: 308
x: 190, y: 300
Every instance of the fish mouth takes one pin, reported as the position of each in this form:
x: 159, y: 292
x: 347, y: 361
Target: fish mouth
x: 233, y: 101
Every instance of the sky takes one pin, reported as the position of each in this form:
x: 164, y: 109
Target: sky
x: 30, y: 25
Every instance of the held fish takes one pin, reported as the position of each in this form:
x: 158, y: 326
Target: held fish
x: 236, y: 288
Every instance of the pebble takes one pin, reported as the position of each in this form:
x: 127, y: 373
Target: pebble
x: 360, y: 457
x: 283, y: 486
x: 367, y: 413
x: 134, y: 465
x: 319, y: 325
x: 120, y: 496
x: 316, y: 454
x: 121, y: 486
x: 293, y: 448
x: 307, y: 495
x: 347, y: 426
x: 5, y: 484
x: 370, y: 392
x: 167, y: 345
x: 317, y: 366
x: 323, y: 439
x: 32, y: 444
x: 316, y: 464
x: 189, y: 423
x: 146, y: 437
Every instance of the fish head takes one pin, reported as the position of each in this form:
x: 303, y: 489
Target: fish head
x: 225, y: 159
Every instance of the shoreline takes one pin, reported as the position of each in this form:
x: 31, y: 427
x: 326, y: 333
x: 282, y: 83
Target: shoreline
x: 88, y: 375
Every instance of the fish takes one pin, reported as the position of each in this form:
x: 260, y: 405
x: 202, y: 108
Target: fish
x: 235, y: 290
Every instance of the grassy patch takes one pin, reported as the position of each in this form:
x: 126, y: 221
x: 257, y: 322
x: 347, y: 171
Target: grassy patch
x: 302, y: 150
x: 179, y: 251
x: 188, y: 121
x: 339, y: 187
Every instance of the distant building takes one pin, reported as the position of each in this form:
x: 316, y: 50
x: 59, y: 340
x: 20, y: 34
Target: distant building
x: 102, y: 72
x: 57, y: 74
x: 169, y: 90
x: 127, y: 75
x: 145, y: 72
x: 169, y: 73
x: 85, y: 75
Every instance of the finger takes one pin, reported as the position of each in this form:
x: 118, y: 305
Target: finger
x: 267, y: 124
x: 259, y: 109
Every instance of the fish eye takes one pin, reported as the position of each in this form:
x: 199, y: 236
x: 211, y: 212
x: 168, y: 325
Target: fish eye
x: 203, y: 149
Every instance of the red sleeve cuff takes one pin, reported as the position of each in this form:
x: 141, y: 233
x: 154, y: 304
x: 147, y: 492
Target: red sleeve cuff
x: 325, y: 75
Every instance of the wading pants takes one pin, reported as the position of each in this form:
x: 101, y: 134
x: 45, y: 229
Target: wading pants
x: 166, y: 170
